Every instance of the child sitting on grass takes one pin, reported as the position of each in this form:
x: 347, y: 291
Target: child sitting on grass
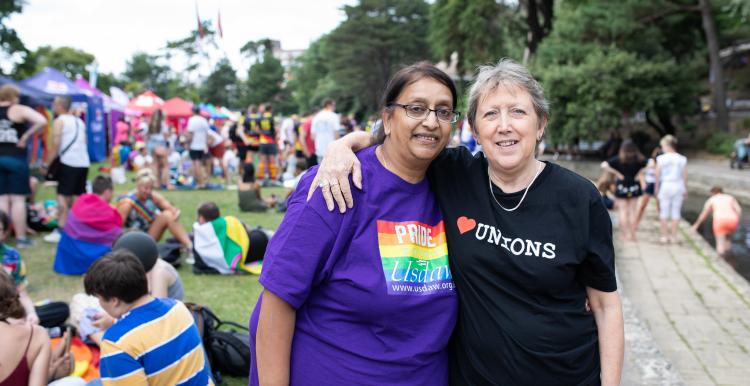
x: 163, y: 280
x: 154, y: 341
x: 11, y: 262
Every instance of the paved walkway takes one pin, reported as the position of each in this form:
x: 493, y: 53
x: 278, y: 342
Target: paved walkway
x: 687, y: 312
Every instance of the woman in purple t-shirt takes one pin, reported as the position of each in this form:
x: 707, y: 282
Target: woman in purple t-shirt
x: 530, y: 243
x: 366, y: 297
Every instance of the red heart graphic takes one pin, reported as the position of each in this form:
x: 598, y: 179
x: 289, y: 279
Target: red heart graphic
x: 466, y: 224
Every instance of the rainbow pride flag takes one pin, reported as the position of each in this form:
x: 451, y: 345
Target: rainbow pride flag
x: 414, y: 257
x: 91, y: 227
x: 222, y: 244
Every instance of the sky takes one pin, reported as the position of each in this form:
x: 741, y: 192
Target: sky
x: 113, y: 30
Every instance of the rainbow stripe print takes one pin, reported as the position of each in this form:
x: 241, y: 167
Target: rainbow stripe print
x: 414, y: 257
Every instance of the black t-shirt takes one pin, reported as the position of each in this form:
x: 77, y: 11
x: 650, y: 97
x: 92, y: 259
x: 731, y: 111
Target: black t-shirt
x: 10, y: 133
x: 521, y: 276
x: 629, y: 170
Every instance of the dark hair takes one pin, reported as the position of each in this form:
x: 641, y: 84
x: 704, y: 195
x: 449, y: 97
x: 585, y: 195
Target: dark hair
x: 408, y: 75
x: 154, y: 125
x: 301, y: 164
x: 253, y: 109
x: 118, y: 274
x: 248, y: 173
x: 629, y: 152
x: 717, y: 189
x: 196, y: 109
x: 4, y: 220
x: 10, y: 302
x: 328, y: 102
x: 209, y: 211
x: 268, y: 107
x: 101, y: 184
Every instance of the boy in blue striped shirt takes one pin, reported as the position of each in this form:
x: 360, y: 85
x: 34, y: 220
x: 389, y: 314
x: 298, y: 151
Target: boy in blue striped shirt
x: 154, y: 341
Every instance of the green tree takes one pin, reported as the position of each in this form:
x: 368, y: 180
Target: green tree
x: 220, y: 88
x: 143, y: 72
x: 10, y: 43
x: 475, y: 30
x: 377, y: 37
x: 607, y: 60
x: 105, y: 80
x: 265, y: 80
x: 70, y: 61
x: 307, y: 75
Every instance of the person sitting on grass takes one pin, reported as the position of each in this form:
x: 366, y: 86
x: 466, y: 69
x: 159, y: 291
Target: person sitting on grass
x: 250, y: 197
x: 26, y: 346
x: 92, y: 225
x: 163, y: 279
x: 726, y: 212
x: 148, y: 211
x: 154, y: 341
x: 225, y: 245
x: 13, y: 265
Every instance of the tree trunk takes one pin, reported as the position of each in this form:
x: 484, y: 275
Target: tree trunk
x: 665, y: 118
x: 534, y: 36
x: 659, y: 129
x: 716, y: 72
x: 539, y: 20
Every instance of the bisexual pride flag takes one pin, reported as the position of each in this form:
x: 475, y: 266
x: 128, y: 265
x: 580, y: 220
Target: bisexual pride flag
x: 414, y: 257
x: 91, y: 227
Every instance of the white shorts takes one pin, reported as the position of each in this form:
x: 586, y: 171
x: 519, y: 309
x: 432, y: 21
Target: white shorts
x: 670, y: 200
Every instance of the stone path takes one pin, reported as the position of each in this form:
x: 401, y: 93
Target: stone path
x: 687, y: 312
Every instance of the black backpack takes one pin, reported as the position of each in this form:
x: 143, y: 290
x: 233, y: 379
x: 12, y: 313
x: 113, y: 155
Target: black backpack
x: 227, y: 343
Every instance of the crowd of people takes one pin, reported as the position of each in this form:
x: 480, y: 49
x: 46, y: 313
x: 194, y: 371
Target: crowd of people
x: 635, y: 180
x: 481, y: 250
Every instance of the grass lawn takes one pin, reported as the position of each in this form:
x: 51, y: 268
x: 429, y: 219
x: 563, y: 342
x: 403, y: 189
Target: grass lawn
x: 230, y: 297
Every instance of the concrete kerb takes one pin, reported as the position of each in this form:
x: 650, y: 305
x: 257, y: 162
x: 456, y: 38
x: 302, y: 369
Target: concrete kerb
x: 716, y: 264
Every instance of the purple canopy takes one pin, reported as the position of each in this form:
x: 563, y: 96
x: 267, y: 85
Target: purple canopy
x: 54, y: 82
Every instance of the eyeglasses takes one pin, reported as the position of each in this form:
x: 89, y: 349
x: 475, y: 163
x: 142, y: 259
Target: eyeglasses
x: 421, y: 112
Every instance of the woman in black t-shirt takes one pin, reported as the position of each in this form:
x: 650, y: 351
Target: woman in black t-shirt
x: 529, y: 243
x: 626, y: 167
x: 18, y: 124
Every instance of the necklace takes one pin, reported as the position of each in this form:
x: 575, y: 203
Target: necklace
x: 489, y: 179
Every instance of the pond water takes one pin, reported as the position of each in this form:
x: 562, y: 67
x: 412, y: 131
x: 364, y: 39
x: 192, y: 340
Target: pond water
x: 739, y: 255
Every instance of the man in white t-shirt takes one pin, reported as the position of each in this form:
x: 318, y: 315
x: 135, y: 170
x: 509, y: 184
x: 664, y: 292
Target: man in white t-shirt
x: 197, y: 134
x: 325, y: 128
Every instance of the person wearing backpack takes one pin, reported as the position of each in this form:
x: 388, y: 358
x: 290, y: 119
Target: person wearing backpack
x: 69, y: 142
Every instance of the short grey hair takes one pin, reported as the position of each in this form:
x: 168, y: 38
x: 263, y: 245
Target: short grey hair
x: 507, y: 73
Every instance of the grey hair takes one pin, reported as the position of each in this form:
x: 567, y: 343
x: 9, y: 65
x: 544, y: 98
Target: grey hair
x: 507, y: 73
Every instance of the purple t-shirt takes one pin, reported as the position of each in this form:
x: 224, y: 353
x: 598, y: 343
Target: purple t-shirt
x: 372, y: 288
